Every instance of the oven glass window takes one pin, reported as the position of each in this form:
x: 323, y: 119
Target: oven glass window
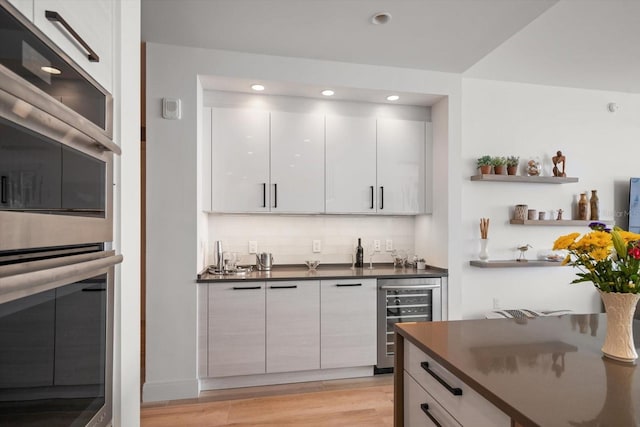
x: 43, y: 176
x: 52, y: 355
x: 28, y: 57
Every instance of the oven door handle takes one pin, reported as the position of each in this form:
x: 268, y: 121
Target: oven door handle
x: 409, y: 287
x: 20, y: 285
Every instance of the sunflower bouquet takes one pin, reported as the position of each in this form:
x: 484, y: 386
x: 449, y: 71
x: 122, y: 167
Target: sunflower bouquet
x: 610, y: 259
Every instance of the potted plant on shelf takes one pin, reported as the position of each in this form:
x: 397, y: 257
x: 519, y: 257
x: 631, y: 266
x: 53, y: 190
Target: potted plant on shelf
x: 498, y: 165
x: 512, y: 165
x: 484, y: 164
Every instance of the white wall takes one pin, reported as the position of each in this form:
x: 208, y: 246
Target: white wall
x: 290, y: 237
x: 173, y: 218
x: 602, y: 148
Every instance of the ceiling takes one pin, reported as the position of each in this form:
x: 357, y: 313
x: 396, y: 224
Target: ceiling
x: 577, y: 43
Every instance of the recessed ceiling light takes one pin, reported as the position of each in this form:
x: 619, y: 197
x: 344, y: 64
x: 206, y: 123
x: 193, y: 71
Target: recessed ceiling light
x: 393, y: 98
x: 50, y: 70
x: 257, y: 87
x: 381, y: 18
x: 327, y: 92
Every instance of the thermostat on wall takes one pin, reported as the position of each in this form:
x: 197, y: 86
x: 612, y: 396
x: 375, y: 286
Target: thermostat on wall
x: 171, y: 108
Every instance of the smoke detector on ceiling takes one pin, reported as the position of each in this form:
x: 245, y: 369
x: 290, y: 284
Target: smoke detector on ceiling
x: 381, y: 18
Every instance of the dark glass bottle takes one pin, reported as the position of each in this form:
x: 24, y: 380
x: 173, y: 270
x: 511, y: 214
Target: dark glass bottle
x: 359, y: 255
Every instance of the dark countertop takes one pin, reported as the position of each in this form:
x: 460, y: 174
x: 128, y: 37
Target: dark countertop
x: 547, y: 371
x: 326, y: 272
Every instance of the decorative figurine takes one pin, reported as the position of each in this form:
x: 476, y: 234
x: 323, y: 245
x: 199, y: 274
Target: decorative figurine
x: 559, y: 161
x: 524, y: 248
x: 560, y: 212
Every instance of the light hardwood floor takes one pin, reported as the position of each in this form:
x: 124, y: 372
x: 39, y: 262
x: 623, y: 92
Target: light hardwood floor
x: 366, y: 402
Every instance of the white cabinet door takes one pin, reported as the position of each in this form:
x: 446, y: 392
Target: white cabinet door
x: 350, y: 178
x: 236, y: 329
x: 293, y: 326
x: 25, y: 7
x: 297, y: 163
x: 401, y: 161
x: 93, y: 21
x: 239, y: 160
x: 347, y: 323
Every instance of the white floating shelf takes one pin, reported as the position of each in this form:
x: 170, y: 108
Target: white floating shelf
x: 524, y: 178
x: 556, y: 222
x: 511, y: 263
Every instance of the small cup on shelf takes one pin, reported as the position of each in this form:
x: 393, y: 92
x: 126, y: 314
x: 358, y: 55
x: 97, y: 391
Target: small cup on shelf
x: 531, y: 214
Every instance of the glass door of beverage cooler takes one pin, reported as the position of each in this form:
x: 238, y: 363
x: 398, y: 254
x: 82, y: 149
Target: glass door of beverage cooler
x: 404, y: 300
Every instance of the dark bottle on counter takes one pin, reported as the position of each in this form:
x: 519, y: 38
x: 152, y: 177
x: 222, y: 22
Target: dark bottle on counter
x: 359, y: 255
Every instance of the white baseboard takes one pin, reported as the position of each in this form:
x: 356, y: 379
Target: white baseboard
x: 169, y: 390
x: 284, y: 378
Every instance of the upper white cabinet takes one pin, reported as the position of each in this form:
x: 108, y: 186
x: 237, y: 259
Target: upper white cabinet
x: 93, y: 21
x: 239, y: 160
x: 401, y: 166
x: 350, y: 178
x: 297, y: 163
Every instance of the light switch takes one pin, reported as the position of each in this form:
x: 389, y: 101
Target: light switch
x: 376, y: 245
x: 317, y: 246
x: 253, y: 247
x: 389, y: 245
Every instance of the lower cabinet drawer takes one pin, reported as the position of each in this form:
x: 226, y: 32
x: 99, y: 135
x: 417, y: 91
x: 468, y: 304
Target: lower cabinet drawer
x: 420, y: 409
x: 460, y: 400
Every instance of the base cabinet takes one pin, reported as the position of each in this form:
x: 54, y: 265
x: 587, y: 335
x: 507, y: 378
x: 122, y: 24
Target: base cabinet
x: 420, y: 409
x: 236, y: 329
x: 293, y: 326
x: 466, y: 407
x: 276, y: 327
x: 348, y: 323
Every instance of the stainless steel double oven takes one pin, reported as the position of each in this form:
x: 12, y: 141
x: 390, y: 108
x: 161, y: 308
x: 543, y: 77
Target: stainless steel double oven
x: 56, y: 232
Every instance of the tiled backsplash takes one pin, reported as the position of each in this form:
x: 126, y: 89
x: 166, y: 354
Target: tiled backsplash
x: 290, y: 237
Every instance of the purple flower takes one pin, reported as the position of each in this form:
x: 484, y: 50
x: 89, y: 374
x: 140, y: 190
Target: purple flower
x: 599, y: 226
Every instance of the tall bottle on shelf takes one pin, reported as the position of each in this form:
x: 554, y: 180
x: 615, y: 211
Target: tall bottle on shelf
x: 595, y: 205
x: 582, y: 207
x: 359, y: 254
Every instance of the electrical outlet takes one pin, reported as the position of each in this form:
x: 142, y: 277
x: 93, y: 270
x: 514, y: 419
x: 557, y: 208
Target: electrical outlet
x: 376, y: 245
x: 317, y: 246
x: 496, y: 304
x: 389, y: 245
x: 253, y: 247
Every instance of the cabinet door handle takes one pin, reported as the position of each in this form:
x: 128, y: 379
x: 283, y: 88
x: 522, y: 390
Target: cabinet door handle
x: 381, y: 197
x: 284, y: 287
x: 54, y: 16
x: 3, y: 189
x: 425, y: 409
x: 264, y: 194
x: 275, y: 195
x: 371, y: 196
x: 341, y: 285
x: 453, y: 390
x: 246, y: 288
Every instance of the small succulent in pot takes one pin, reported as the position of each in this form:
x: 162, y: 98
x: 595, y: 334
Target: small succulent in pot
x: 484, y: 164
x: 512, y: 165
x: 499, y: 164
